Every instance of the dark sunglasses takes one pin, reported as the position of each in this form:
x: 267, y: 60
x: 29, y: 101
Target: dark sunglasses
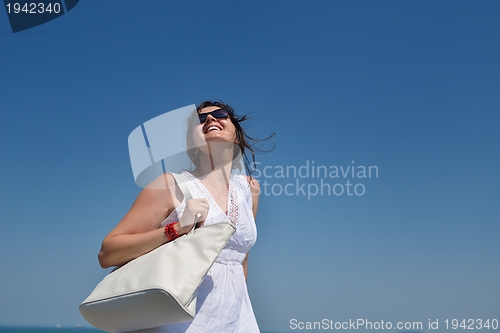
x: 219, y: 114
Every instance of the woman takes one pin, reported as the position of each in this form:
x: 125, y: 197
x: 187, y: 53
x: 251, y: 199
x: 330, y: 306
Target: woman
x: 156, y: 217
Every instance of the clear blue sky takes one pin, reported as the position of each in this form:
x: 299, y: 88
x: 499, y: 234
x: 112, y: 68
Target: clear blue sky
x: 411, y: 87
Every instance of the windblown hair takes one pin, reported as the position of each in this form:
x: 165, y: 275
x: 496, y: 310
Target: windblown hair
x: 244, y: 143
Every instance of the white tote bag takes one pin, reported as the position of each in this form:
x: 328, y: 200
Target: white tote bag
x: 160, y: 286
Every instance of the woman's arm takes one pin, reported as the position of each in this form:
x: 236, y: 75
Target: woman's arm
x: 138, y: 232
x: 255, y: 189
x: 245, y: 266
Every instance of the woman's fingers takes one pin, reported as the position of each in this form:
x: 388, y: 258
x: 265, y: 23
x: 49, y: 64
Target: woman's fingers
x: 196, y: 211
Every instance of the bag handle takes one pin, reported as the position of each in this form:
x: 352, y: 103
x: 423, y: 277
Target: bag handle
x: 181, y: 181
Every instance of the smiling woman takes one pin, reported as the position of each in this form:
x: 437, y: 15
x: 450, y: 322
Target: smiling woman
x: 243, y: 142
x: 159, y: 216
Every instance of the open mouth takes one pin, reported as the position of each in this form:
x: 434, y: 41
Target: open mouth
x: 212, y: 128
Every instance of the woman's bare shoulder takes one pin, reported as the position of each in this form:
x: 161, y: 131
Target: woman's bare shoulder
x: 162, y: 182
x: 255, y: 190
x: 161, y: 193
x: 254, y: 184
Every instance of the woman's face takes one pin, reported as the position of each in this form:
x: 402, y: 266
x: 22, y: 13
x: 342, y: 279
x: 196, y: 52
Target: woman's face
x: 214, y: 129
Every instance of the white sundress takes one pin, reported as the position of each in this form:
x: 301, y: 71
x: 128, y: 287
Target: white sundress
x: 223, y: 304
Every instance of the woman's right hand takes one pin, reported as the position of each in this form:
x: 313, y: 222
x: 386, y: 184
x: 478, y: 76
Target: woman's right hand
x: 194, y: 208
x: 140, y: 230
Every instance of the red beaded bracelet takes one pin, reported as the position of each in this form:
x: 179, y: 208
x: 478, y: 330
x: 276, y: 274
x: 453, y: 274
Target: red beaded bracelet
x: 170, y: 231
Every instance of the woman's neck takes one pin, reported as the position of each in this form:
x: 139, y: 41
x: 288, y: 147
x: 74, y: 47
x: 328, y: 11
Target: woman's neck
x: 217, y: 165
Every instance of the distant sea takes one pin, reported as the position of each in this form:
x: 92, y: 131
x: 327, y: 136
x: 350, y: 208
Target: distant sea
x: 34, y: 329
x: 44, y: 329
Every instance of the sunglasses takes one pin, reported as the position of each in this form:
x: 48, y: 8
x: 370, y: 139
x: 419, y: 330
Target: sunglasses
x: 218, y: 114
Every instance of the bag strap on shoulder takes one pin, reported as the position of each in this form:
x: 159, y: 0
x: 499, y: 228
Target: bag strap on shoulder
x: 181, y: 181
